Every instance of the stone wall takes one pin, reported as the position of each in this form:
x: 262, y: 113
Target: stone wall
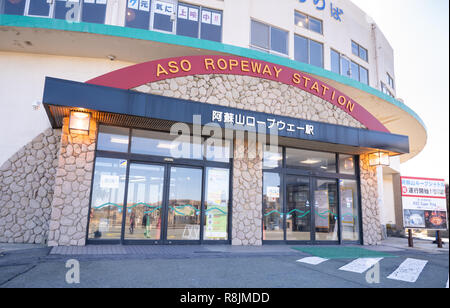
x: 251, y: 93
x: 26, y: 190
x: 70, y: 206
x: 371, y: 228
x: 247, y: 194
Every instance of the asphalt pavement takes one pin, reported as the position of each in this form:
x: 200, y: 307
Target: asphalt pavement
x: 220, y: 267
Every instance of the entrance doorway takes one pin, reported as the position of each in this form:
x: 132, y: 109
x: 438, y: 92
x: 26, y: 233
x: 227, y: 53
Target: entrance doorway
x: 157, y: 199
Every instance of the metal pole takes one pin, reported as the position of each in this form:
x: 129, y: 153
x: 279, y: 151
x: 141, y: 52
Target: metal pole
x: 410, y: 238
x: 439, y: 239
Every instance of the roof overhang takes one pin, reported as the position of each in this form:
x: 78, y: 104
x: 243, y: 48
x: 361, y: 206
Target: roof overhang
x: 133, y: 109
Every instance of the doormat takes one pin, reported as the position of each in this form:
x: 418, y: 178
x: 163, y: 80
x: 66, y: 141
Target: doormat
x: 343, y: 252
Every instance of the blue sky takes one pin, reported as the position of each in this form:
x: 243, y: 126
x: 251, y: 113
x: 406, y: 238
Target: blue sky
x: 418, y: 30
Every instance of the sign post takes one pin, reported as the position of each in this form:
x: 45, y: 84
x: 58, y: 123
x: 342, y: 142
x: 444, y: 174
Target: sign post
x: 424, y: 206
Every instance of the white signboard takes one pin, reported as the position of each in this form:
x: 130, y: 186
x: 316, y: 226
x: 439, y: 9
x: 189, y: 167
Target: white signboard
x: 164, y: 8
x: 424, y: 203
x: 182, y: 12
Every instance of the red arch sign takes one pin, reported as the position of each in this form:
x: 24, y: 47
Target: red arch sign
x: 147, y: 72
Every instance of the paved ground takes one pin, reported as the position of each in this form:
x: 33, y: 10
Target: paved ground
x: 222, y: 266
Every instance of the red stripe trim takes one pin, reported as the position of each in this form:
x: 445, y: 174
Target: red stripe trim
x: 432, y: 197
x: 143, y: 73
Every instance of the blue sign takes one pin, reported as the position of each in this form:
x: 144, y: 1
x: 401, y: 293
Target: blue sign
x: 335, y: 12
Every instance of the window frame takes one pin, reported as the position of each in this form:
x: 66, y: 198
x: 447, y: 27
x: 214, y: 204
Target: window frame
x: 308, y: 17
x: 309, y: 50
x: 391, y: 81
x: 359, y: 51
x: 269, y: 50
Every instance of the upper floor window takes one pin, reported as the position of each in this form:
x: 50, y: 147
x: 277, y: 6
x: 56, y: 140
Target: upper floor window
x: 345, y: 67
x: 390, y: 81
x: 181, y: 19
x: 308, y: 22
x: 308, y: 51
x: 73, y: 10
x: 269, y: 38
x: 360, y: 51
x: 385, y: 90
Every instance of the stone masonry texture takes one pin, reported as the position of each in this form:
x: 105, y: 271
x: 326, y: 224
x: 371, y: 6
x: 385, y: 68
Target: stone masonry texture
x: 26, y: 190
x: 70, y: 206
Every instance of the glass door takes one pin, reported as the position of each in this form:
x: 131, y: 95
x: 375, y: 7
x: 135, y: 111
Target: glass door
x: 183, y: 210
x: 298, y: 208
x: 145, y: 200
x: 40, y: 8
x: 326, y: 223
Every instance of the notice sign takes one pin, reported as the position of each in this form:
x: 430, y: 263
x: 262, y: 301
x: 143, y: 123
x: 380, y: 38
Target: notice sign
x: 424, y: 203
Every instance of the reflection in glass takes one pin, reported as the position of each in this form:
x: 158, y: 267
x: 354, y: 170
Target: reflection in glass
x: 298, y: 216
x: 346, y: 164
x: 185, y: 193
x: 272, y: 159
x: 14, y: 7
x: 39, y: 8
x: 164, y: 144
x: 107, y: 199
x: 113, y: 139
x: 349, y: 210
x: 311, y: 160
x: 216, y: 204
x: 272, y: 207
x: 145, y: 199
x: 325, y: 208
x: 218, y: 150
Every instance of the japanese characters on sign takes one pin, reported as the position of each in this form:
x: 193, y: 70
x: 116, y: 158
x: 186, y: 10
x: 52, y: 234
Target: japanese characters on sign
x: 424, y: 203
x: 143, y: 5
x: 250, y: 122
x: 320, y: 5
x: 164, y: 8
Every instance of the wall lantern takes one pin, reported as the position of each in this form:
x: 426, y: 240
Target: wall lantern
x: 379, y: 159
x: 79, y: 122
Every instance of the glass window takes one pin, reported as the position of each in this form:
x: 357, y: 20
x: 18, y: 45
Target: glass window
x: 138, y: 15
x: 349, y: 210
x: 301, y: 49
x: 311, y: 160
x: 301, y: 20
x: 112, y: 138
x: 164, y: 144
x: 315, y: 53
x: 260, y: 35
x: 162, y: 17
x: 272, y: 159
x: 325, y: 209
x: 145, y: 200
x: 345, y: 67
x: 335, y: 62
x: 390, y: 81
x: 62, y: 7
x: 363, y: 75
x: 216, y: 204
x: 315, y: 25
x: 188, y: 20
x: 346, y: 164
x: 354, y: 71
x: 355, y: 49
x: 39, y: 8
x: 363, y: 53
x: 272, y: 207
x: 211, y: 25
x: 279, y: 40
x: 105, y: 220
x: 14, y: 7
x: 217, y: 150
x: 94, y: 12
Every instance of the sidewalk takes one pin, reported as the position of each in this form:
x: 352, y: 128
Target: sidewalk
x: 419, y: 244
